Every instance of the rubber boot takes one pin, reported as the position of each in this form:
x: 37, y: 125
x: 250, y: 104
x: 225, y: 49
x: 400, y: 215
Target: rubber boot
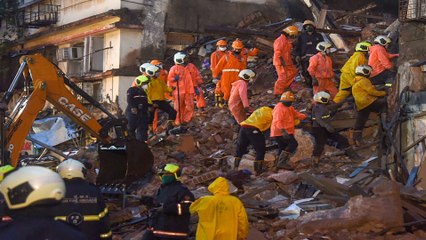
x: 258, y: 167
x: 316, y: 160
x: 357, y: 137
x: 237, y: 161
x: 352, y: 154
x: 283, y: 161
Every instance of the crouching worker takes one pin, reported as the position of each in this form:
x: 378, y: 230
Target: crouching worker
x: 30, y: 193
x: 83, y: 205
x: 322, y: 130
x: 284, y: 118
x: 221, y: 216
x: 251, y: 132
x: 169, y: 217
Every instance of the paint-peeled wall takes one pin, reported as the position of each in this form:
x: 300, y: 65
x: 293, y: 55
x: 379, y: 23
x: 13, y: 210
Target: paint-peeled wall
x: 130, y: 45
x: 112, y: 55
x: 116, y: 88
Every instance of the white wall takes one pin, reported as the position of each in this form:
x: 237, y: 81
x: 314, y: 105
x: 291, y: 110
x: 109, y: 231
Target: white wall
x: 112, y: 56
x: 130, y: 45
x: 74, y: 10
x: 117, y: 86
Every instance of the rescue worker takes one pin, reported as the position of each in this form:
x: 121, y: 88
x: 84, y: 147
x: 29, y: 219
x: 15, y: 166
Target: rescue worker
x: 221, y: 50
x: 367, y: 99
x: 30, y: 192
x: 137, y: 109
x: 380, y: 60
x: 156, y: 91
x: 251, y: 132
x: 163, y: 72
x: 305, y: 48
x: 180, y: 81
x: 321, y: 70
x: 221, y: 216
x: 4, y: 171
x: 322, y: 112
x: 238, y: 101
x: 282, y: 60
x: 197, y: 81
x: 284, y: 119
x: 229, y: 66
x: 169, y: 218
x: 83, y: 205
x: 142, y: 69
x: 348, y: 70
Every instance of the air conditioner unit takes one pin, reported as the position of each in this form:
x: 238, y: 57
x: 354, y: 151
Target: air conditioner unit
x: 71, y: 53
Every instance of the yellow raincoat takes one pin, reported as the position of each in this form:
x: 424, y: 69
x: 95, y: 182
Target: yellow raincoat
x: 156, y: 90
x: 222, y: 216
x: 364, y: 92
x: 348, y: 75
x: 260, y: 119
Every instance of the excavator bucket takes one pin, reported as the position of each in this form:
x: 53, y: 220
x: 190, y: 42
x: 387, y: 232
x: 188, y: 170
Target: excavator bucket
x: 124, y: 163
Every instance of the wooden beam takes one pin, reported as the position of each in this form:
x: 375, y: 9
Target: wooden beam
x: 323, y: 14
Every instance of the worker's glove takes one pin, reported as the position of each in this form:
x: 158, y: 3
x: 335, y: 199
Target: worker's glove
x: 215, y: 80
x: 314, y: 81
x: 134, y: 110
x: 176, y: 78
x: 330, y: 129
x: 197, y: 91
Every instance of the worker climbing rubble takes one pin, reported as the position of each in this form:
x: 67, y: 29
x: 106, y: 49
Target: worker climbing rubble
x: 238, y: 101
x: 380, y: 60
x: 321, y: 70
x: 282, y: 60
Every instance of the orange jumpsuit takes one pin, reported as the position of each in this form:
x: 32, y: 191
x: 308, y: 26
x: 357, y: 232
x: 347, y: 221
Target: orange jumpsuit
x: 320, y: 67
x: 286, y: 73
x: 284, y: 117
x: 184, y: 101
x: 379, y: 59
x: 197, y: 80
x: 214, y: 59
x: 238, y: 100
x: 230, y: 66
x: 249, y: 53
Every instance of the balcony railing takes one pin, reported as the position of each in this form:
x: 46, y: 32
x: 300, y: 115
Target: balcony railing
x: 412, y: 10
x: 38, y: 15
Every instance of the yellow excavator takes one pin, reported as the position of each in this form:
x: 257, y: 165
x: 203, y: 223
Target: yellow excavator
x: 122, y: 158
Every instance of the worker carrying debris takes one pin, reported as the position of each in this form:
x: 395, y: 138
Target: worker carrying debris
x: 229, y: 67
x: 180, y: 80
x: 30, y: 193
x: 367, y: 99
x: 238, y: 101
x: 322, y: 112
x: 83, y: 205
x: 221, y: 216
x: 359, y: 57
x: 284, y: 119
x: 380, y: 60
x: 169, y: 214
x: 137, y: 109
x: 251, y: 132
x: 221, y: 50
x: 156, y: 91
x: 282, y: 60
x: 305, y: 48
x: 321, y: 70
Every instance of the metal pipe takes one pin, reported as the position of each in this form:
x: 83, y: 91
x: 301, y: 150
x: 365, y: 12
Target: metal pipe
x: 8, y: 95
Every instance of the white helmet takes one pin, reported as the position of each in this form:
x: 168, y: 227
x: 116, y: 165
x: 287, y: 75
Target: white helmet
x: 322, y: 46
x: 71, y: 168
x: 382, y: 40
x: 32, y: 185
x: 322, y: 97
x: 152, y: 71
x: 363, y: 70
x: 144, y: 66
x: 246, y: 74
x: 179, y: 58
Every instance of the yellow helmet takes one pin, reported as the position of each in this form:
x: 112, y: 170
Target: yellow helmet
x: 170, y: 168
x: 291, y: 31
x: 141, y: 80
x: 362, y: 46
x: 4, y: 170
x: 32, y: 185
x: 287, y: 97
x: 308, y: 22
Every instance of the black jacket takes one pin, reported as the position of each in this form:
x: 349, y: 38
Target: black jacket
x: 83, y: 199
x: 322, y: 114
x: 137, y: 98
x: 306, y: 44
x: 172, y: 221
x: 37, y: 224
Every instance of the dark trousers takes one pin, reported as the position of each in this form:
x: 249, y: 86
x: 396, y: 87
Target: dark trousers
x: 288, y: 145
x: 138, y: 125
x: 165, y: 107
x: 384, y: 77
x: 305, y: 64
x: 321, y: 135
x: 247, y: 136
x: 377, y: 106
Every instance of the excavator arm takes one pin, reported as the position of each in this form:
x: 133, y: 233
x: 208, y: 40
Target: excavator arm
x: 51, y: 84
